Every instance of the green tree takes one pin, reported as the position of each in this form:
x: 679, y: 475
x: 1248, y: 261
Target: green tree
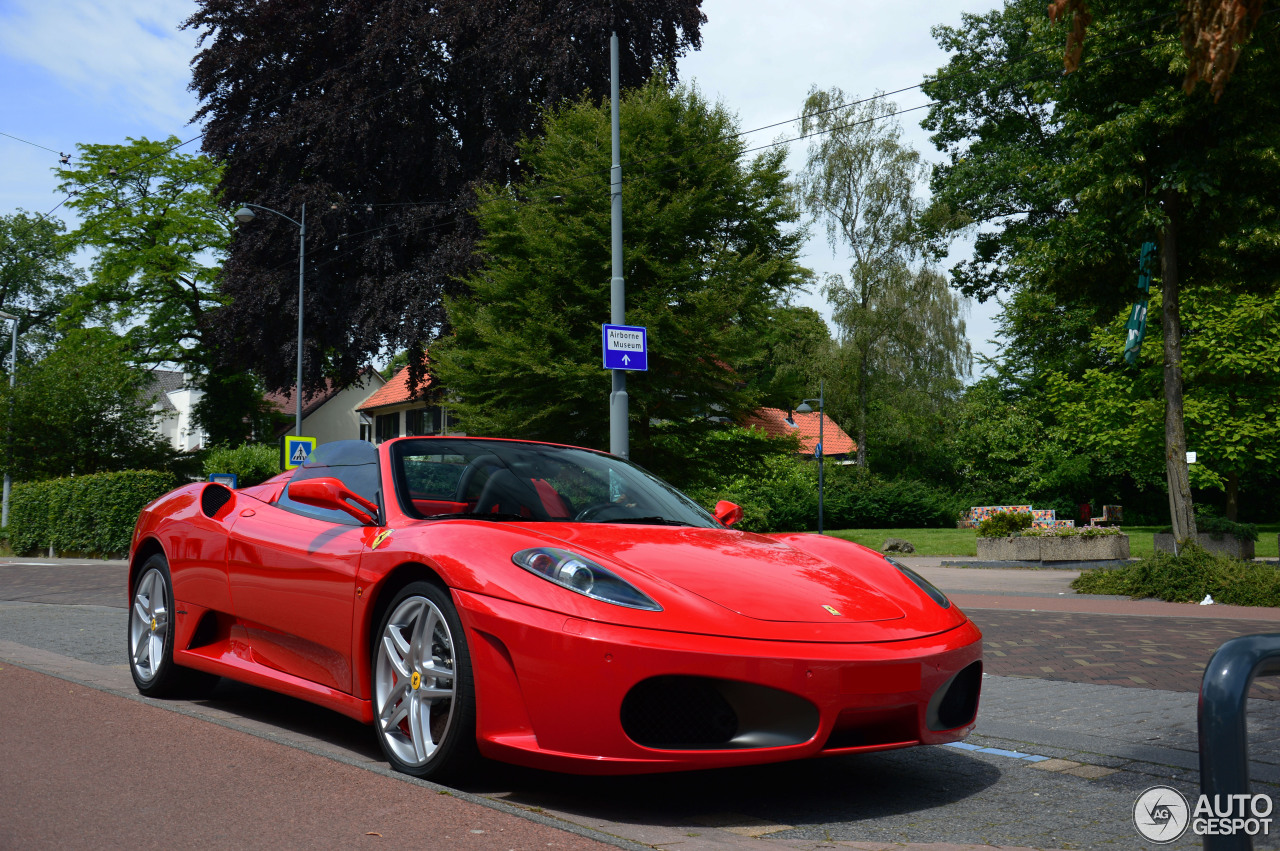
x: 1232, y: 346
x: 898, y: 322
x: 711, y: 251
x: 796, y: 351
x: 152, y: 216
x: 382, y: 116
x: 36, y: 279
x: 83, y: 409
x: 1071, y: 174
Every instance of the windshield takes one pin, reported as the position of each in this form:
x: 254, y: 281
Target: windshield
x: 508, y: 480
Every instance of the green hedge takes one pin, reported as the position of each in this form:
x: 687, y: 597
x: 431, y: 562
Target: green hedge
x: 781, y: 495
x: 253, y: 463
x: 83, y: 514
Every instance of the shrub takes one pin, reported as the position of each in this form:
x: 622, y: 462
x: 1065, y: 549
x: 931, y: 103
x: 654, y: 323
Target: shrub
x: 1004, y: 523
x: 1073, y: 532
x: 83, y: 514
x: 253, y: 463
x: 781, y: 495
x: 1187, y: 578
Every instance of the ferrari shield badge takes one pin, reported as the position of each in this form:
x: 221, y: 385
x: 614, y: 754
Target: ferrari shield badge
x: 831, y: 610
x: 382, y: 536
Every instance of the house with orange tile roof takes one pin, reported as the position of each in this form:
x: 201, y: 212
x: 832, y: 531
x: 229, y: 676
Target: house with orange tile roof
x: 776, y: 422
x: 397, y: 411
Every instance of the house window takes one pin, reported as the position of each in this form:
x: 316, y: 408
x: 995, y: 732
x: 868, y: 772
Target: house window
x: 442, y: 421
x: 416, y: 422
x: 366, y: 432
x: 388, y: 426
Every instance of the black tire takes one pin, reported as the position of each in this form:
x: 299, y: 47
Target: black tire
x: 150, y: 636
x: 413, y: 684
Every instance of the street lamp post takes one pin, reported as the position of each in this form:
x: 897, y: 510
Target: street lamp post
x: 803, y: 408
x: 245, y: 215
x: 13, y: 372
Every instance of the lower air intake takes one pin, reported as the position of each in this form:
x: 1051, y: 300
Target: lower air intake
x: 704, y: 713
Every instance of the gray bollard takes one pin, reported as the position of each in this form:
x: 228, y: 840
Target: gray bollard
x: 1224, y: 743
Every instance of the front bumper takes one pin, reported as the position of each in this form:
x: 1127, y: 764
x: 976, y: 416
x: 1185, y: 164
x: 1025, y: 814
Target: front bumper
x: 572, y: 695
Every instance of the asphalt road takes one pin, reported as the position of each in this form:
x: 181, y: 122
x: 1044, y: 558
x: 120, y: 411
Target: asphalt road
x: 1088, y: 702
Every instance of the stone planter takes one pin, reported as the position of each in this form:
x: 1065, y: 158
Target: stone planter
x: 1228, y: 545
x: 1054, y: 548
x: 1009, y: 549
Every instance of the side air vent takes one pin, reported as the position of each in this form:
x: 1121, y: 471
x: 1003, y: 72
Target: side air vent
x: 213, y: 498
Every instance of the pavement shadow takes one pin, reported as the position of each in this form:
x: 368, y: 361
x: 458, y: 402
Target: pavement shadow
x: 291, y: 718
x: 848, y: 789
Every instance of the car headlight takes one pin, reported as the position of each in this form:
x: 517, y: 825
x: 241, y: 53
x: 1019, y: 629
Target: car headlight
x: 924, y: 584
x: 577, y: 573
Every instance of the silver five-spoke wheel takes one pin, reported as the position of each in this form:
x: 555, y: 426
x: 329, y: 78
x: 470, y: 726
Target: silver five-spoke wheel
x: 422, y: 690
x: 149, y: 625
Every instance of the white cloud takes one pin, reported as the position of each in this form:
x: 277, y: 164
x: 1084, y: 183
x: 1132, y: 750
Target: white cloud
x: 126, y: 56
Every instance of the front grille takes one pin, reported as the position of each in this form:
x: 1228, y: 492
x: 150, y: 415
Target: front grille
x: 678, y: 712
x: 704, y: 713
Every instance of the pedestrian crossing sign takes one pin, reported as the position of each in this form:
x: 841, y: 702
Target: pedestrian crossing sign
x: 294, y: 451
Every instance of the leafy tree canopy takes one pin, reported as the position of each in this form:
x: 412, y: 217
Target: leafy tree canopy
x: 1070, y: 175
x: 711, y: 250
x: 901, y: 337
x: 36, y: 278
x: 82, y: 409
x: 381, y: 116
x: 151, y: 214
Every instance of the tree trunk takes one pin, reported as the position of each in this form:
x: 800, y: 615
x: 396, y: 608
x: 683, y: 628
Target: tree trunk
x: 1181, y: 509
x: 862, y: 412
x: 1233, y: 496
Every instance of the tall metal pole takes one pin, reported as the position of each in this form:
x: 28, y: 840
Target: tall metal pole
x: 245, y: 215
x: 302, y: 253
x: 13, y: 373
x: 618, y: 413
x: 822, y: 450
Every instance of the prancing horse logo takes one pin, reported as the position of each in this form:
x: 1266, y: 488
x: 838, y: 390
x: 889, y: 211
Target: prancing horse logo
x: 832, y: 611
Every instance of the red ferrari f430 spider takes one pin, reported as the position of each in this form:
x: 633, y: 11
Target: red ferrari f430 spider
x: 544, y: 605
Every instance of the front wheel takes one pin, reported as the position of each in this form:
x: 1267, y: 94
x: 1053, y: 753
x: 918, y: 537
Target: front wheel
x: 424, y: 696
x: 151, y: 635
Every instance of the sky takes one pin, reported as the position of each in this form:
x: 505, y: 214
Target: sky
x: 101, y: 71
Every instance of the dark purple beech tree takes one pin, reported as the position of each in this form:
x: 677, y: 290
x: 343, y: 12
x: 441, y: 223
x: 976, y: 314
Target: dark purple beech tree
x: 382, y: 116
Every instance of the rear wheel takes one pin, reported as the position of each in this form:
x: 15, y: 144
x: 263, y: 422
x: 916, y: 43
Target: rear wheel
x: 151, y: 635
x: 424, y: 696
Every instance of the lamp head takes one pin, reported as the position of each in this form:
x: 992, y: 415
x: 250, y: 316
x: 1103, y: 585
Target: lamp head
x: 803, y: 408
x: 244, y: 215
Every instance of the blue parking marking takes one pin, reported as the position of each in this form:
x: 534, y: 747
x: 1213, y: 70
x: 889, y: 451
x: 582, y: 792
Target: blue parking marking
x: 1025, y: 757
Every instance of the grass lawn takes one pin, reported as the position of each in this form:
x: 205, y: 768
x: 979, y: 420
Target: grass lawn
x: 928, y: 542
x: 963, y: 542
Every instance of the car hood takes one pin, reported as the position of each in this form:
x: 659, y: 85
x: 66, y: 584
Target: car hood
x: 752, y: 575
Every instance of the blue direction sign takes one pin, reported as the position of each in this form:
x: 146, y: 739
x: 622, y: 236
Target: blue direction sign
x: 626, y: 347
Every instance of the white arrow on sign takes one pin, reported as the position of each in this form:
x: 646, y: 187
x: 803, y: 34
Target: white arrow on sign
x: 626, y: 359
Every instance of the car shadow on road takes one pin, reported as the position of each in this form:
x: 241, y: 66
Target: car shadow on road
x: 847, y: 788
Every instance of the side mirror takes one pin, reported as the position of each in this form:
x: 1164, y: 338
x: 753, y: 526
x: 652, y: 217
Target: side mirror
x: 328, y: 492
x: 728, y: 513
